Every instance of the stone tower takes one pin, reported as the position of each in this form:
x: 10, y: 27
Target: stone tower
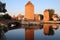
x: 37, y: 17
x: 46, y: 15
x: 29, y: 11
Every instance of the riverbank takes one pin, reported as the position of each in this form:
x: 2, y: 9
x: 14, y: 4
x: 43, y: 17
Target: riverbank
x: 40, y: 22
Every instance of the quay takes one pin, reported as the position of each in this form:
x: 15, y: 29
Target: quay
x: 28, y: 22
x: 40, y: 22
x: 50, y: 22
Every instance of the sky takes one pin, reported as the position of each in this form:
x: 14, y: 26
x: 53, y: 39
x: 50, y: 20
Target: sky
x: 15, y: 7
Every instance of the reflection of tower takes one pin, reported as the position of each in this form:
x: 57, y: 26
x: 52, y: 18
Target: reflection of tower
x: 46, y: 28
x: 29, y: 11
x: 29, y: 34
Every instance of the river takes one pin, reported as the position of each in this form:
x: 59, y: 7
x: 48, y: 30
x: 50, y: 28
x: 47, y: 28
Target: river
x: 41, y: 32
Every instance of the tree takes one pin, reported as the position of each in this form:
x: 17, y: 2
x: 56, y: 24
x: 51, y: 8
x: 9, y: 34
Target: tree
x: 41, y: 16
x: 2, y: 7
x: 51, y: 12
x: 6, y: 16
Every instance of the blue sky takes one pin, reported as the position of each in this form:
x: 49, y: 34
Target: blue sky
x: 16, y: 7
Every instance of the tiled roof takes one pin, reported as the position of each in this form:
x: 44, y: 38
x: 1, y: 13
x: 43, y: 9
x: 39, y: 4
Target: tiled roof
x: 29, y: 3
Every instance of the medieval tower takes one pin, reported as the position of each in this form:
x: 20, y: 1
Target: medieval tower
x: 29, y: 11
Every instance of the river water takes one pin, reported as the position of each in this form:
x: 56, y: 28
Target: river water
x: 40, y: 32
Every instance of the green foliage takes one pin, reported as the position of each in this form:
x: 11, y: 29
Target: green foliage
x: 51, y: 12
x: 41, y: 16
x: 2, y: 7
x: 5, y: 16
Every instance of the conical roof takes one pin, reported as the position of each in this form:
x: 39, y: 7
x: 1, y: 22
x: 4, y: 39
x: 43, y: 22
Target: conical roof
x: 29, y: 3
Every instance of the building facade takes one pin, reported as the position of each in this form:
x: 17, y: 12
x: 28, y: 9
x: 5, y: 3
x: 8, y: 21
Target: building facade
x: 46, y: 15
x: 29, y: 11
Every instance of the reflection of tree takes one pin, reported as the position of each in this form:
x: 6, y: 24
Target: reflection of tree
x: 41, y: 26
x: 51, y: 31
x: 16, y: 25
x: 5, y: 17
x: 2, y: 36
x: 48, y: 30
x: 9, y: 26
x: 5, y: 29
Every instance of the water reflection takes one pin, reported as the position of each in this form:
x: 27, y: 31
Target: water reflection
x: 48, y: 30
x: 55, y: 26
x: 29, y: 34
x: 33, y: 32
x: 2, y: 36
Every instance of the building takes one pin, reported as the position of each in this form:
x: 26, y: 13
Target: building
x: 19, y: 17
x: 29, y: 11
x: 55, y: 17
x: 14, y: 17
x: 48, y: 14
x: 38, y: 17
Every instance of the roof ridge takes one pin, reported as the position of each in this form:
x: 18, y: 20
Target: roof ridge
x: 29, y: 2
